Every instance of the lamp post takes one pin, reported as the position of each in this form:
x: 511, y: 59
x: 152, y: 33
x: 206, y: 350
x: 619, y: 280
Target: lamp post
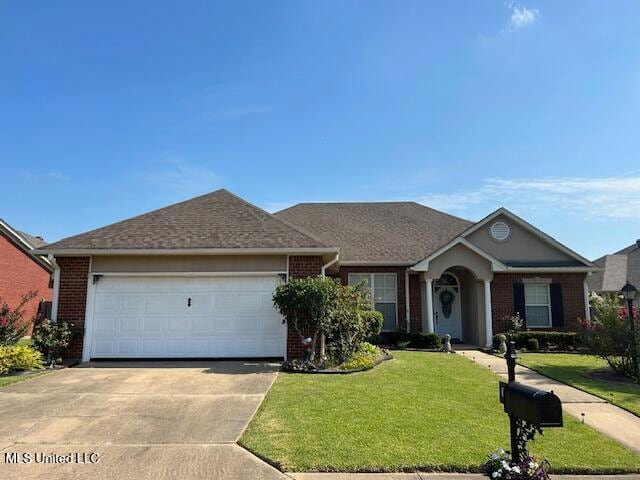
x: 629, y: 293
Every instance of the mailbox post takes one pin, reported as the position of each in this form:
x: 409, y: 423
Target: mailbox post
x: 529, y: 408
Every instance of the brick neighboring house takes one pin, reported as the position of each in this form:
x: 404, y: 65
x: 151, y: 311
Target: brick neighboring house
x: 22, y: 271
x: 196, y: 279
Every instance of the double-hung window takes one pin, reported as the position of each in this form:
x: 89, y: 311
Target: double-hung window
x: 383, y: 292
x: 538, y: 305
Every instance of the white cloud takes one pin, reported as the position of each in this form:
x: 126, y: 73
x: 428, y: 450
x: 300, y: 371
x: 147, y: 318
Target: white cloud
x: 522, y: 16
x: 183, y: 178
x: 607, y: 197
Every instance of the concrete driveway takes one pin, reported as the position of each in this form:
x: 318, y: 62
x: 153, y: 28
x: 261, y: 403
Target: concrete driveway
x: 141, y: 420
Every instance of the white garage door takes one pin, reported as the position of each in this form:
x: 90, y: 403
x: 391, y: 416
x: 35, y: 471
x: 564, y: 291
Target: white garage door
x: 186, y: 317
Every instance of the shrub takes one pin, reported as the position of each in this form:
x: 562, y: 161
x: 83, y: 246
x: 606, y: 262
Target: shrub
x: 533, y: 344
x: 609, y: 335
x: 351, y: 321
x: 363, y: 358
x: 51, y: 338
x: 12, y: 324
x: 431, y: 341
x: 562, y: 341
x: 19, y: 357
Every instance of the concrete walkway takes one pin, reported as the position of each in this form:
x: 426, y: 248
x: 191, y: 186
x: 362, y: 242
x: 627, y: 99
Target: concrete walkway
x: 612, y: 421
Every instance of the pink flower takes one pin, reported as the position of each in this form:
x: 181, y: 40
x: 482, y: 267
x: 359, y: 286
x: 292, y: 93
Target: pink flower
x: 3, y: 320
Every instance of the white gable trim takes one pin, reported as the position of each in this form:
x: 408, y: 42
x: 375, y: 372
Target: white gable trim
x: 527, y: 226
x: 496, y: 265
x: 24, y: 244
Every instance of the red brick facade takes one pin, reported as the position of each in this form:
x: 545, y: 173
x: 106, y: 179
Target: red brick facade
x: 72, y: 298
x: 20, y: 273
x: 502, y: 303
x: 415, y: 303
x: 301, y: 267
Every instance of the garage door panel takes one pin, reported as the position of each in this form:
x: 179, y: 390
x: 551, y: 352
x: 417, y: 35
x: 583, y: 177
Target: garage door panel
x: 151, y: 317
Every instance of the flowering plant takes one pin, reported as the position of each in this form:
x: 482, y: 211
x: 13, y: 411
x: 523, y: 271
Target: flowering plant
x: 500, y: 467
x: 12, y: 324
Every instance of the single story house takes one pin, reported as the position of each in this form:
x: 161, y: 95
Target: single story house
x: 616, y: 270
x: 22, y: 271
x: 195, y: 279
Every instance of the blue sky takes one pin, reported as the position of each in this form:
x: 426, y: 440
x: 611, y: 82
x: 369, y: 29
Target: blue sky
x: 110, y: 109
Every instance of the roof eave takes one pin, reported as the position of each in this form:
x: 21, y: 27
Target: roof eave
x: 186, y: 251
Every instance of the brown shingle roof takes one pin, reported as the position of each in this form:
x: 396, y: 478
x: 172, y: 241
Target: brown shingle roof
x: 394, y: 232
x: 618, y: 268
x: 218, y: 220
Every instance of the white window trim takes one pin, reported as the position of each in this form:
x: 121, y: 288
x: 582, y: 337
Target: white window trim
x: 372, y: 288
x: 548, y: 305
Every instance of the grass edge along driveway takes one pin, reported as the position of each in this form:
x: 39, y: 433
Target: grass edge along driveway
x: 420, y: 411
x: 570, y: 368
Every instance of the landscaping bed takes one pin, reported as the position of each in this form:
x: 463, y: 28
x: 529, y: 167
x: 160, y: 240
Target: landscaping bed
x: 361, y: 364
x: 423, y: 411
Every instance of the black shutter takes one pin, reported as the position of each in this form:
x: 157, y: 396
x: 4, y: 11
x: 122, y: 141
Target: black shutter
x: 557, y: 313
x: 518, y: 300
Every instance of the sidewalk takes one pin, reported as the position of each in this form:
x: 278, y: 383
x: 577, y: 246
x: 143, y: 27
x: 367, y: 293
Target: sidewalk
x: 612, y: 421
x: 437, y: 476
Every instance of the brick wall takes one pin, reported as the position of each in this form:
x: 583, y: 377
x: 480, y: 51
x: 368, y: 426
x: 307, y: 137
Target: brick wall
x: 72, y: 299
x: 572, y: 297
x: 301, y: 266
x: 343, y: 275
x: 415, y: 303
x: 20, y: 273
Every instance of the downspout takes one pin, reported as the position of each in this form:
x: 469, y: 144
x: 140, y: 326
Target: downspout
x: 407, y: 306
x: 56, y: 286
x: 323, y: 275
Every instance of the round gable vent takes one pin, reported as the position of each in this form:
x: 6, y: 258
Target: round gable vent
x: 500, y: 231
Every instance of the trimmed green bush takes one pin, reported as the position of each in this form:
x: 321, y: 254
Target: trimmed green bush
x: 401, y: 339
x: 19, y: 357
x: 533, y: 344
x: 560, y: 341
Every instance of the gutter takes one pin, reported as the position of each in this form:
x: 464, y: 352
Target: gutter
x: 327, y: 265
x: 56, y: 287
x: 185, y: 251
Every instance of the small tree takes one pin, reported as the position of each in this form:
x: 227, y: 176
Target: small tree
x: 12, y: 323
x: 609, y: 334
x: 305, y: 305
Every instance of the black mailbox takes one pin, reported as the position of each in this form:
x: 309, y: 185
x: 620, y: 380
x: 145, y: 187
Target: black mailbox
x: 534, y: 406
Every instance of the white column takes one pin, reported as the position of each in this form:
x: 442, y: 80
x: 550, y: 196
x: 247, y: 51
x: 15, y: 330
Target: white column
x: 487, y: 314
x: 429, y: 297
x: 587, y: 310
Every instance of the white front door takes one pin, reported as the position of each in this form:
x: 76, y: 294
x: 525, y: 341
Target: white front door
x: 446, y: 302
x: 147, y: 317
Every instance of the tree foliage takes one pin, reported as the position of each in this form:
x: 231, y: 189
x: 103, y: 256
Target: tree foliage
x: 609, y: 334
x: 13, y: 326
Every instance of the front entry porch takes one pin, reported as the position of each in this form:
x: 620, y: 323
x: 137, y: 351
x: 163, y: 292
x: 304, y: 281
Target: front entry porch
x: 456, y: 294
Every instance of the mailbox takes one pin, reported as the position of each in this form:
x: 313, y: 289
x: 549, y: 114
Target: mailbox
x: 537, y: 407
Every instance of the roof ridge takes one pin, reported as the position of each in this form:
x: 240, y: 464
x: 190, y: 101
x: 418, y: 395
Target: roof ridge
x: 135, y: 217
x: 297, y: 229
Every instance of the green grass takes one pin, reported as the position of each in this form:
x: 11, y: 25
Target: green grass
x: 571, y: 369
x: 9, y: 379
x: 427, y: 411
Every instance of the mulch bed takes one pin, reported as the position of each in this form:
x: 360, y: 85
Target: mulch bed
x: 288, y: 367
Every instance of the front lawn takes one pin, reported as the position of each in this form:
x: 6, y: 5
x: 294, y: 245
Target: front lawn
x: 572, y: 370
x: 428, y: 411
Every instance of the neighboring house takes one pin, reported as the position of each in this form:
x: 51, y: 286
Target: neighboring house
x: 617, y: 269
x: 196, y: 279
x: 22, y: 271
